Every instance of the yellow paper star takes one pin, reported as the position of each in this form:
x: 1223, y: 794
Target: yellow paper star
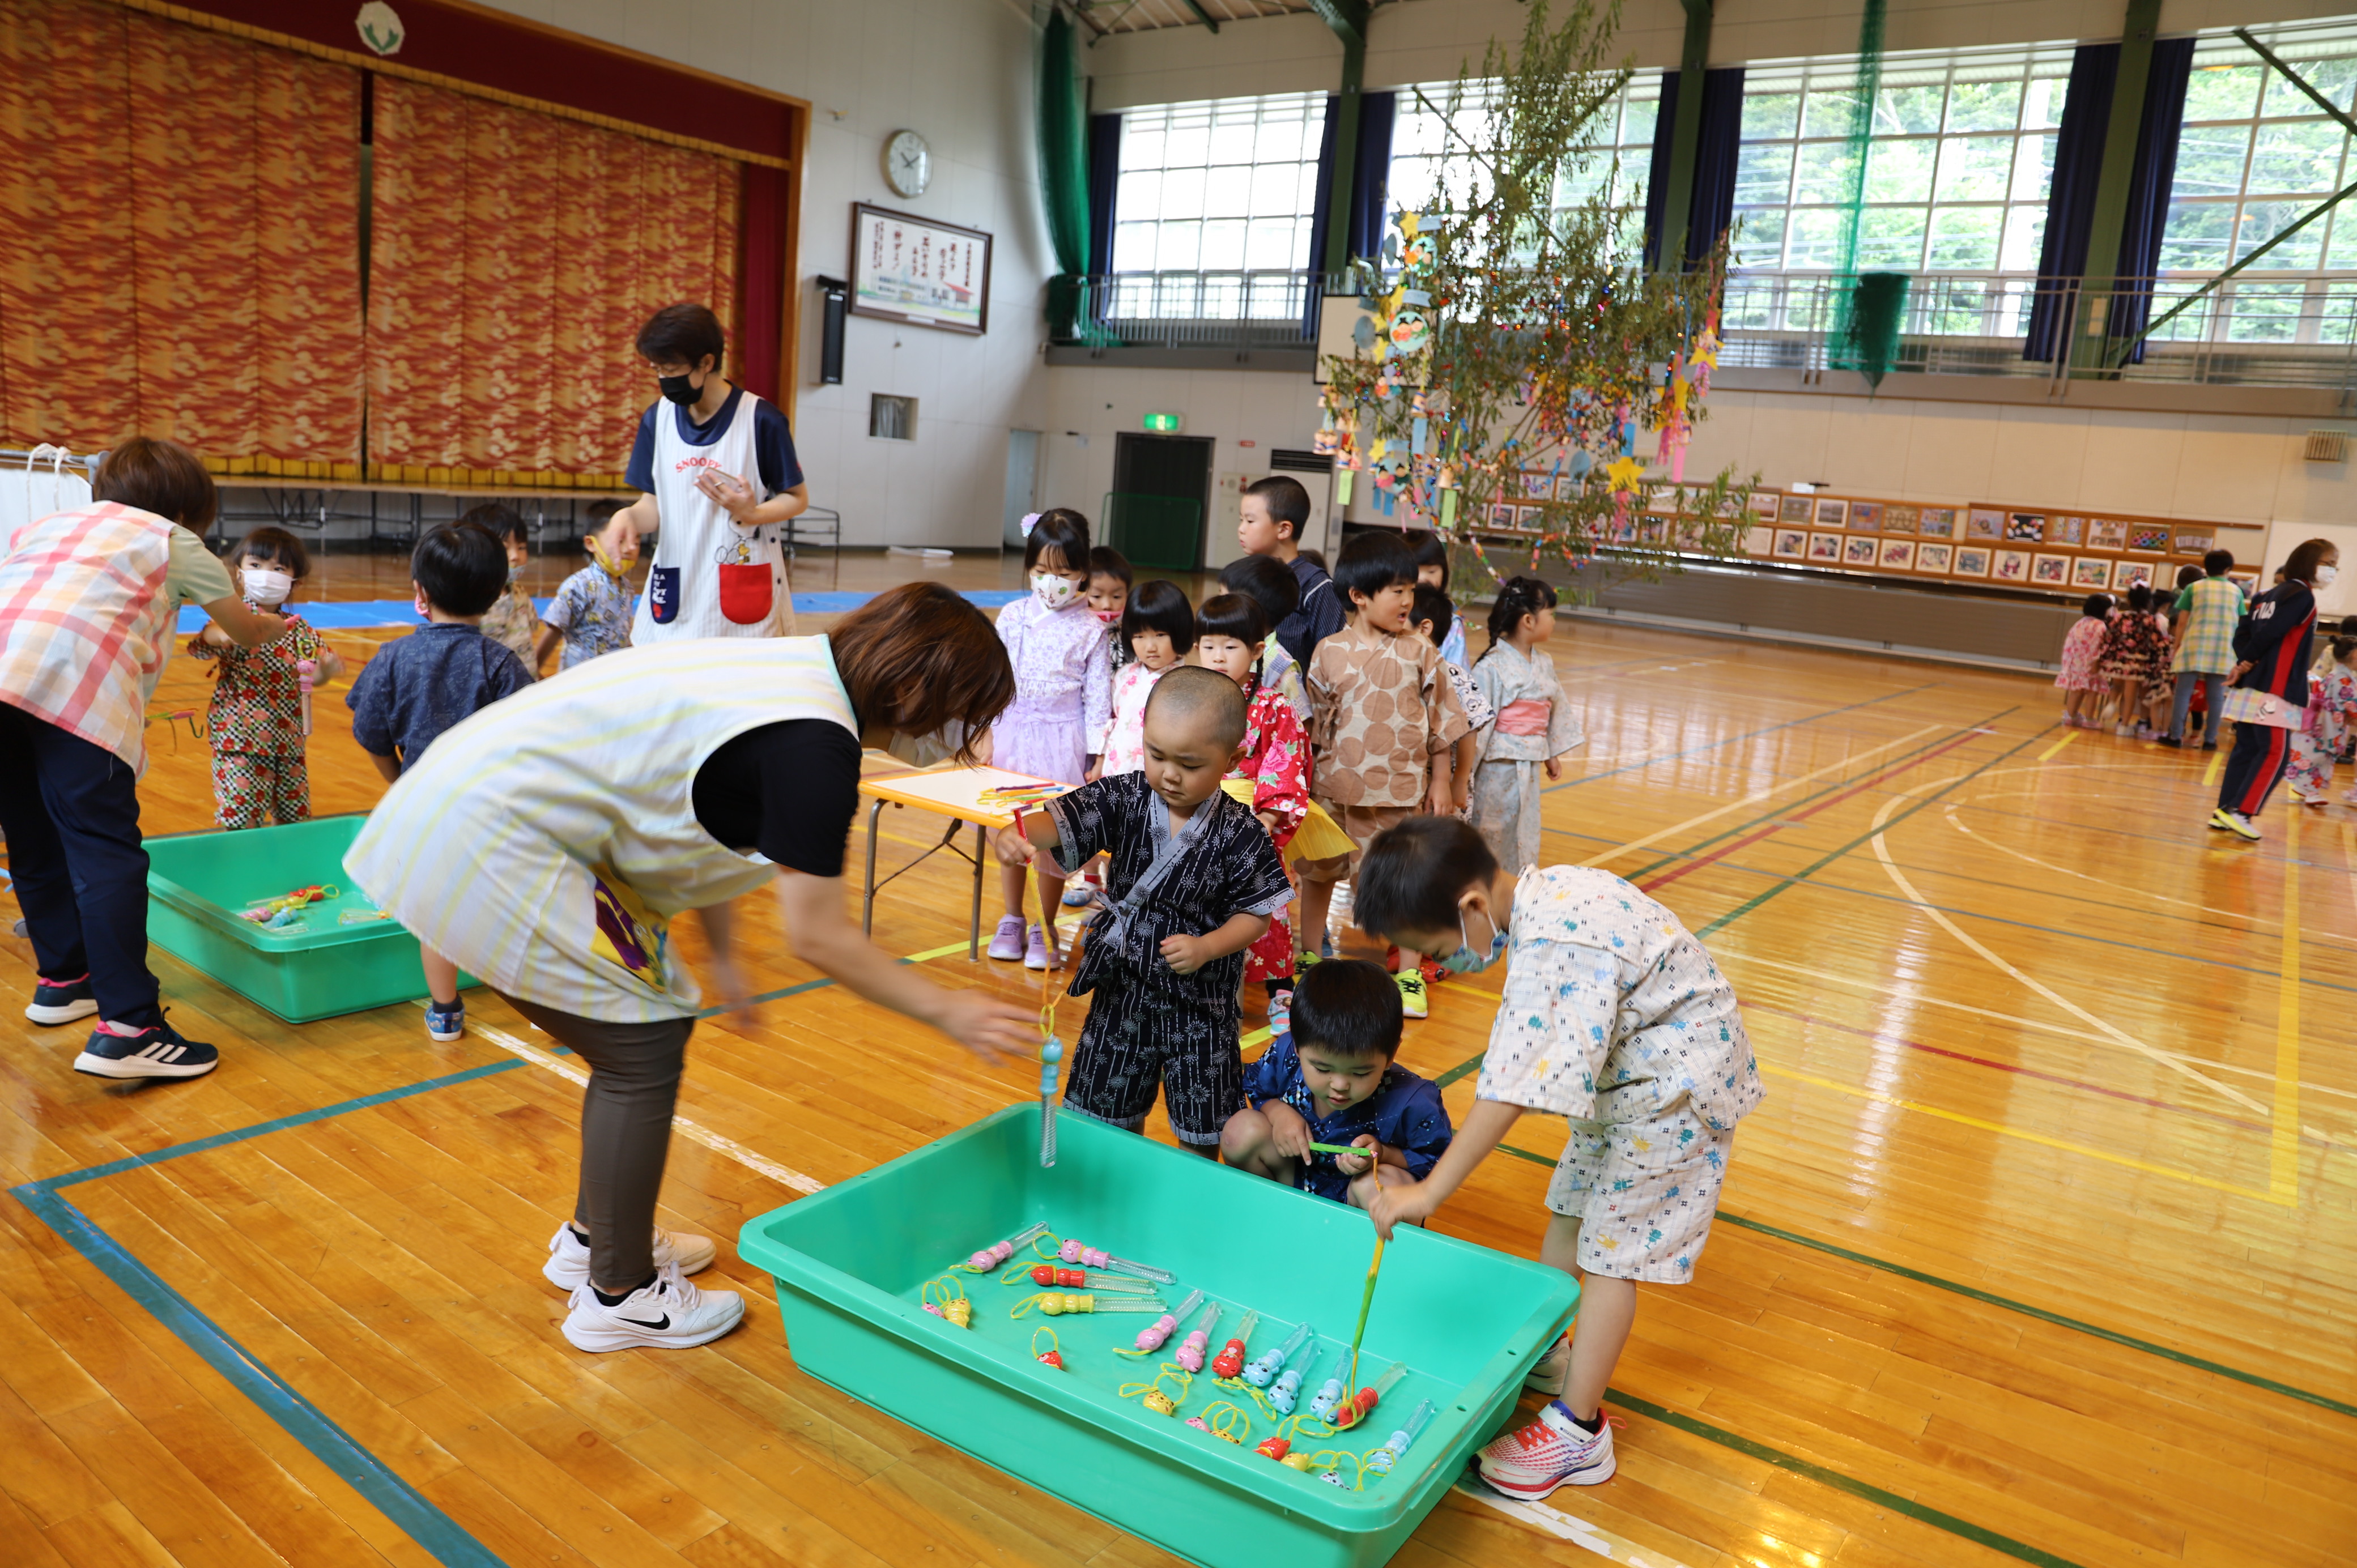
x: 1626, y: 473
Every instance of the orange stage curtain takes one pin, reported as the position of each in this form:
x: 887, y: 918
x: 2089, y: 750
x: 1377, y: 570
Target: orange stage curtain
x: 513, y: 257
x: 180, y: 240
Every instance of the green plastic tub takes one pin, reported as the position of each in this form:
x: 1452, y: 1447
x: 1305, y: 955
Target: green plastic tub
x: 199, y: 884
x: 852, y: 1261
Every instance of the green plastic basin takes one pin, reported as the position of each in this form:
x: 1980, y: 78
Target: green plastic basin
x: 852, y: 1261
x: 199, y: 885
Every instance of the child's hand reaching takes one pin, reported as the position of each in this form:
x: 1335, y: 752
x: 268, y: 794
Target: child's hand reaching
x: 1185, y: 954
x: 1288, y: 1134
x: 1402, y: 1206
x: 1360, y: 1164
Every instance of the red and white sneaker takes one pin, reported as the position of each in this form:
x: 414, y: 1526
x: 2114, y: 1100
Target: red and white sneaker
x: 1549, y: 1452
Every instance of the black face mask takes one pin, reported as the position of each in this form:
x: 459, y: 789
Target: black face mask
x: 678, y: 390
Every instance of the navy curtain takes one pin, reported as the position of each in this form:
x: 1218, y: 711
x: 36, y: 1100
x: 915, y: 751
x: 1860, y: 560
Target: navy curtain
x: 2063, y: 256
x: 1711, y: 209
x: 1104, y: 181
x: 1370, y: 181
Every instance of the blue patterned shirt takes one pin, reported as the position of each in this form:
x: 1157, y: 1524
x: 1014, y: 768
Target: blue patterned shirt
x: 1403, y: 1111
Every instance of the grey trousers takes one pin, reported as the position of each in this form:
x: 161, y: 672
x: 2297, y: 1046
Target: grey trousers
x: 634, y: 1071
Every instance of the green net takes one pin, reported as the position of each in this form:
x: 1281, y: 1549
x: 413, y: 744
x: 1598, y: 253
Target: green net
x: 1868, y: 306
x: 1064, y: 171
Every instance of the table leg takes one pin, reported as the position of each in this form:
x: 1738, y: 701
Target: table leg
x: 868, y: 904
x: 973, y: 931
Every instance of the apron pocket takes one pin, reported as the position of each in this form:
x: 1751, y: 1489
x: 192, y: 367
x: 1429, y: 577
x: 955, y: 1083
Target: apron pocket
x: 662, y: 595
x: 745, y: 591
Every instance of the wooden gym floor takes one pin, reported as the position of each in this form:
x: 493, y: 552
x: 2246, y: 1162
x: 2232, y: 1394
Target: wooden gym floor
x: 2040, y: 1250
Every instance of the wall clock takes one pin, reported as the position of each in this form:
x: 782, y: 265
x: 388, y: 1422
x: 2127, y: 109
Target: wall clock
x: 908, y: 163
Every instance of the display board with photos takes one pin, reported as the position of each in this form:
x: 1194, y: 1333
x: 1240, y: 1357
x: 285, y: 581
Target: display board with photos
x: 2065, y: 552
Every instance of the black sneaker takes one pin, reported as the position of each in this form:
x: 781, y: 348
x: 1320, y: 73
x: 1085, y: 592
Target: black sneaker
x: 61, y: 1001
x: 2167, y: 740
x: 159, y: 1052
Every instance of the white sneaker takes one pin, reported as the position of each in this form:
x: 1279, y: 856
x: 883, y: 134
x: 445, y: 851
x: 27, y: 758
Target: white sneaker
x: 668, y: 1315
x: 569, y: 1256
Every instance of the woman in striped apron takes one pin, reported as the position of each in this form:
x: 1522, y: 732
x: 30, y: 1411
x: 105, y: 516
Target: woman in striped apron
x: 548, y: 844
x: 88, y: 602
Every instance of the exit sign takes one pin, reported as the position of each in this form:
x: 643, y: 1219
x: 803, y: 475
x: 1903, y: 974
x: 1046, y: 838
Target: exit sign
x: 1164, y: 424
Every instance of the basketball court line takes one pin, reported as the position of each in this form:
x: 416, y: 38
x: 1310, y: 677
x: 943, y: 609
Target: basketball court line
x: 1748, y: 735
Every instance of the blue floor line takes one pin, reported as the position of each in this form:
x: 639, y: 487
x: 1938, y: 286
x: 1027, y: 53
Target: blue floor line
x: 358, y: 615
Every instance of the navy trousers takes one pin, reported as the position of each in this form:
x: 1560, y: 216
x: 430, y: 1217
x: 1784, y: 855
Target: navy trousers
x: 71, y: 814
x: 2253, y: 767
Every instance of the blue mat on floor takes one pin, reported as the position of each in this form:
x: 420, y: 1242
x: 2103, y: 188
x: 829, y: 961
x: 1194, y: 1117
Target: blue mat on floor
x: 358, y: 615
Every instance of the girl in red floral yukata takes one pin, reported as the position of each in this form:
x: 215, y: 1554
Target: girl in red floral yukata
x: 260, y: 716
x: 1271, y: 774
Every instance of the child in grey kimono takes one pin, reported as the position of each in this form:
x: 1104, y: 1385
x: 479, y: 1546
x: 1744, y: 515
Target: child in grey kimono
x: 1533, y: 727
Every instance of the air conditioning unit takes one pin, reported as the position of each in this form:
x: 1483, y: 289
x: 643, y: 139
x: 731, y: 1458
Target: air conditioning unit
x: 2327, y: 446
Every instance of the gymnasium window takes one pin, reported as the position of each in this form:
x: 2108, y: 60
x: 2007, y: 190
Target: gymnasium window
x: 2255, y: 156
x: 1211, y: 193
x: 1959, y: 161
x: 1428, y: 160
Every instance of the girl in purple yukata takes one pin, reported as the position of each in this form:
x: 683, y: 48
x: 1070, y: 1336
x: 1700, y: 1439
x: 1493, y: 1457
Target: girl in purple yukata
x: 1063, y: 700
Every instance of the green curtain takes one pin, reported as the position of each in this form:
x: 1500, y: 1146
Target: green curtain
x: 1871, y: 305
x: 1063, y: 169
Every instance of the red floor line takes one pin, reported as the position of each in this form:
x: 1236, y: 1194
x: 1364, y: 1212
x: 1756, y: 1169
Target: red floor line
x: 1723, y: 851
x: 1881, y: 1038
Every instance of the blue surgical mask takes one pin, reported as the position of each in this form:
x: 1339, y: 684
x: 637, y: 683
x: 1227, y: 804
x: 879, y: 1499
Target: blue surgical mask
x: 1465, y: 960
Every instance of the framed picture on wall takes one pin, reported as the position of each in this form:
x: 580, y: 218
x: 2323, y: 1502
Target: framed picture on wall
x: 2127, y: 574
x: 1984, y: 522
x: 1653, y: 531
x: 2194, y: 541
x: 2051, y: 570
x: 1757, y: 540
x: 2091, y: 573
x: 1858, y: 552
x: 1931, y: 557
x: 2010, y: 566
x: 1796, y: 509
x: 1567, y: 487
x: 1972, y: 561
x: 2066, y: 529
x: 1898, y: 554
x: 1865, y: 517
x: 1899, y: 518
x: 1792, y: 543
x: 1501, y: 516
x: 1531, y: 516
x: 2247, y: 581
x: 1831, y: 512
x: 1938, y: 522
x: 1538, y: 486
x: 1825, y: 547
x: 2152, y: 539
x: 2104, y: 533
x: 905, y: 268
x: 2028, y: 527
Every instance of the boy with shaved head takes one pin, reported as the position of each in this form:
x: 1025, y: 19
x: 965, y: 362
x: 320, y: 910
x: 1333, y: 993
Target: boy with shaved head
x: 1191, y: 885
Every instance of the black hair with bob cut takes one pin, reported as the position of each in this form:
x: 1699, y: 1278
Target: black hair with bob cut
x: 1431, y: 550
x: 1371, y: 561
x: 2095, y: 606
x: 1347, y: 1006
x: 683, y: 334
x: 1105, y: 561
x: 1412, y: 876
x: 506, y: 523
x: 1232, y: 614
x: 1159, y: 605
x: 2139, y: 600
x: 1059, y: 529
x: 1270, y: 583
x: 272, y: 542
x: 1432, y: 606
x: 462, y: 567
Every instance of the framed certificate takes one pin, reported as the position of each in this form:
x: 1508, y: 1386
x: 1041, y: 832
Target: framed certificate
x: 928, y: 274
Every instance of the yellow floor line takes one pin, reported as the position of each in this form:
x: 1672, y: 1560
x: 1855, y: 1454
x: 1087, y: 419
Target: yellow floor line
x: 2040, y: 1138
x: 2210, y: 774
x: 943, y: 951
x: 2059, y: 744
x: 2283, y: 1159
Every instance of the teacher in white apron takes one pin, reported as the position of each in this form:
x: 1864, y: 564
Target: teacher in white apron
x: 720, y: 480
x: 548, y: 844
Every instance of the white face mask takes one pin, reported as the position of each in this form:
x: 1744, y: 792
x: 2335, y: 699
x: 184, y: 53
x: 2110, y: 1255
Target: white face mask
x: 924, y: 750
x: 2324, y: 576
x: 266, y: 587
x: 1052, y: 590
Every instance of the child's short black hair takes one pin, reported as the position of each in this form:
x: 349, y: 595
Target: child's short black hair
x: 683, y: 335
x: 1159, y: 605
x: 1431, y: 550
x: 2218, y: 563
x: 1232, y: 614
x: 1286, y: 498
x: 461, y: 567
x: 1105, y: 561
x: 1412, y: 876
x: 1517, y: 597
x: 1348, y: 1006
x: 2187, y: 575
x: 2095, y: 606
x: 1062, y: 530
x: 2139, y: 600
x: 1371, y: 561
x: 1432, y: 604
x: 271, y: 542
x: 503, y: 520
x: 1315, y: 557
x: 1268, y: 582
